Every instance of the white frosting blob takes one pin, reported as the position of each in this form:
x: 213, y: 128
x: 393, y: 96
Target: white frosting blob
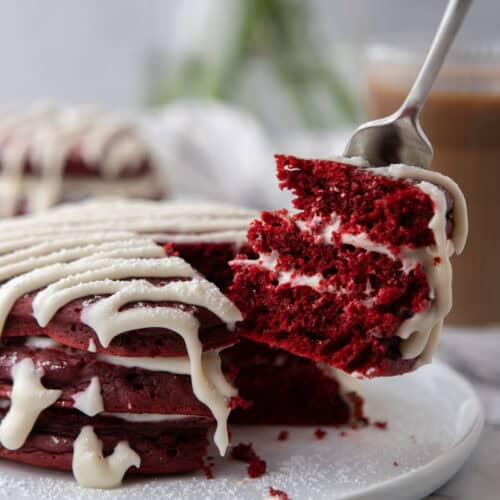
x: 89, y: 401
x: 148, y: 417
x: 28, y: 399
x: 92, y: 347
x: 92, y: 470
x: 209, y: 384
x: 41, y: 342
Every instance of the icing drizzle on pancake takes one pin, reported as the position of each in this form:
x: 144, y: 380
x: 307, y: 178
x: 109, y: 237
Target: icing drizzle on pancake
x: 27, y: 400
x: 92, y: 469
x: 108, y: 250
x: 89, y: 401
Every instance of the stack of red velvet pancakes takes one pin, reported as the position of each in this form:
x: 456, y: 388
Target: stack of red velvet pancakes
x: 131, y: 328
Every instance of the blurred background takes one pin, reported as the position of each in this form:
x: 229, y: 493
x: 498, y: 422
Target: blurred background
x: 218, y: 86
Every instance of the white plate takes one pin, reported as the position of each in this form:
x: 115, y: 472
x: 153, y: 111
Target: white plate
x: 434, y: 421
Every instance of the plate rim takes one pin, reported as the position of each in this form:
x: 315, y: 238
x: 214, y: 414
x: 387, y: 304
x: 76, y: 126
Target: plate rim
x: 425, y: 479
x: 441, y: 468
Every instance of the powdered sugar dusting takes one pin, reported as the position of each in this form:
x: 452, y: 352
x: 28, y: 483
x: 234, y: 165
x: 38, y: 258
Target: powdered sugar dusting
x: 338, y: 467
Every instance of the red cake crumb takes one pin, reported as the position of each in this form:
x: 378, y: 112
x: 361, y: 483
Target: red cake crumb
x: 237, y: 402
x: 246, y: 453
x: 280, y: 495
x: 208, y: 470
x: 283, y: 436
x: 343, y: 433
x: 243, y: 452
x: 320, y: 433
x: 380, y: 425
x: 256, y: 468
x: 396, y: 464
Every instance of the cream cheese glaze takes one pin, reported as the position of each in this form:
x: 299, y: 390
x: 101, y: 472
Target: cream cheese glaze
x: 108, y: 249
x: 209, y: 384
x: 44, y: 137
x: 148, y: 417
x: 92, y: 470
x: 27, y: 400
x: 89, y: 401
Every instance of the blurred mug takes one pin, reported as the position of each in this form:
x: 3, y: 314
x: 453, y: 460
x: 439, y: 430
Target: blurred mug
x: 462, y: 120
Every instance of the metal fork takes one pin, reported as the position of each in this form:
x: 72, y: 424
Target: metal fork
x: 399, y: 138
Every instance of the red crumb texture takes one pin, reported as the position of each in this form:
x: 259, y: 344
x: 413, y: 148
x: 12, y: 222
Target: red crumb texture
x: 237, y: 402
x: 379, y: 424
x: 243, y: 452
x: 351, y: 316
x: 256, y: 468
x: 389, y: 210
x: 208, y: 470
x: 246, y: 453
x: 283, y: 436
x: 343, y: 433
x: 320, y: 433
x: 280, y: 495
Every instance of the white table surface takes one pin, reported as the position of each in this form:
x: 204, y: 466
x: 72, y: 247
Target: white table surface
x: 477, y: 356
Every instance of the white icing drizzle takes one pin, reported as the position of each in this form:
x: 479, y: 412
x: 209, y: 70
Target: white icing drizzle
x: 92, y: 470
x: 362, y: 240
x: 92, y: 347
x: 207, y: 393
x: 148, y: 417
x: 89, y: 401
x: 46, y: 136
x: 28, y: 399
x: 176, y: 221
x: 105, y: 249
x: 41, y: 342
x: 292, y: 278
x: 420, y: 332
x: 356, y: 161
x: 209, y: 384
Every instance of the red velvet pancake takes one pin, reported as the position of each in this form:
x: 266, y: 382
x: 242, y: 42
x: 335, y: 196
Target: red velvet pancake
x: 285, y: 389
x: 338, y: 280
x: 123, y: 389
x: 165, y: 448
x: 67, y: 328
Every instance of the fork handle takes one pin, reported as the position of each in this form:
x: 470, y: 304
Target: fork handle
x: 448, y: 28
